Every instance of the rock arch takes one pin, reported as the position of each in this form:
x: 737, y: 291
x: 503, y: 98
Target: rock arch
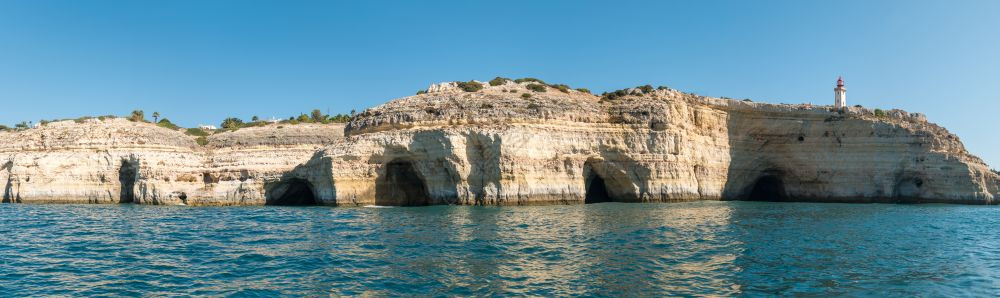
x: 128, y: 174
x: 401, y: 184
x: 291, y: 192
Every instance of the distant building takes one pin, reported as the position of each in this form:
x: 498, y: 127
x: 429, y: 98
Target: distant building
x: 840, y: 95
x: 207, y: 127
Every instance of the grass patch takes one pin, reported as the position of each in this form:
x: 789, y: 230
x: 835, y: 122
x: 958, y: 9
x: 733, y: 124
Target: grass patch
x: 198, y: 132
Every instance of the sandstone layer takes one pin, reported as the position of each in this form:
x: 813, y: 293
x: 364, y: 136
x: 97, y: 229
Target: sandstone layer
x: 497, y: 146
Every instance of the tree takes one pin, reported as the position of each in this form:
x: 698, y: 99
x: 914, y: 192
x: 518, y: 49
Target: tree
x: 254, y: 118
x: 317, y: 116
x: 156, y: 115
x: 23, y: 124
x: 137, y: 116
x: 232, y: 123
x: 304, y: 118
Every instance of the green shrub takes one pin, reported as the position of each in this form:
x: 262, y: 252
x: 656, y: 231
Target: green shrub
x: 21, y: 125
x: 165, y: 123
x: 202, y: 141
x: 662, y: 88
x: 304, y: 119
x: 340, y: 118
x: 880, y: 113
x: 613, y: 95
x: 421, y: 92
x: 584, y: 90
x: 561, y: 87
x: 498, y: 81
x: 646, y: 89
x: 3, y: 127
x: 857, y: 106
x: 522, y: 80
x: 536, y: 87
x: 196, y: 132
x: 470, y: 86
x: 232, y: 123
x: 526, y: 95
x: 137, y: 116
x: 317, y: 116
x: 747, y: 100
x: 82, y: 119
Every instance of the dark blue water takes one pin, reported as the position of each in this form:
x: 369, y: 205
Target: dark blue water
x: 702, y: 248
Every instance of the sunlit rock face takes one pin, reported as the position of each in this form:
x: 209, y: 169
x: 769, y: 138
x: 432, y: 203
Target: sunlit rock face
x: 494, y: 147
x: 118, y: 161
x: 508, y: 145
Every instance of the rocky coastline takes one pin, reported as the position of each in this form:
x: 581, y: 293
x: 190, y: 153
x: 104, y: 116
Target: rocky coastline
x: 509, y: 143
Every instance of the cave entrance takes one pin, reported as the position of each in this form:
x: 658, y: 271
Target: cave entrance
x: 597, y: 190
x: 908, y: 190
x: 128, y: 173
x: 293, y: 192
x: 401, y: 185
x: 768, y: 188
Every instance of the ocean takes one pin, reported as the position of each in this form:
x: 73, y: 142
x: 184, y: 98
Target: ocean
x: 607, y: 249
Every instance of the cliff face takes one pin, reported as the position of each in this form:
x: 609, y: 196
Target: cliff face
x: 495, y: 147
x: 118, y: 161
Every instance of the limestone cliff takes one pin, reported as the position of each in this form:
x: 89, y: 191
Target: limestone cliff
x: 498, y: 146
x: 118, y: 161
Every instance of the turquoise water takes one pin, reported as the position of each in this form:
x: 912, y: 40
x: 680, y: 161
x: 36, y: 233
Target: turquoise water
x: 611, y: 249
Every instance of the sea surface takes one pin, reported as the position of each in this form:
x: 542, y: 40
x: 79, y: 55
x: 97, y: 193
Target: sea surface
x: 609, y: 249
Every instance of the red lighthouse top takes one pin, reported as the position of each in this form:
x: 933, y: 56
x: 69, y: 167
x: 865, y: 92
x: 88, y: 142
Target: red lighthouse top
x: 840, y: 82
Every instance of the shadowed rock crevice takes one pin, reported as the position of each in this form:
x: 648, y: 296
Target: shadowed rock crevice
x: 604, y: 183
x: 597, y: 190
x: 908, y: 190
x: 291, y: 192
x: 400, y: 184
x: 769, y: 188
x: 128, y: 174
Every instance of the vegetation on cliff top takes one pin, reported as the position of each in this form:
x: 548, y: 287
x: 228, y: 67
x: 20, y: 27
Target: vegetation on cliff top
x: 637, y: 91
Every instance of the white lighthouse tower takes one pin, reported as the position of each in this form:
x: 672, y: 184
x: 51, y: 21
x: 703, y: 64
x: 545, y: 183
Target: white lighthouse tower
x: 840, y: 95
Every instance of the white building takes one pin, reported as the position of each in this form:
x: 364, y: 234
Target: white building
x: 840, y: 95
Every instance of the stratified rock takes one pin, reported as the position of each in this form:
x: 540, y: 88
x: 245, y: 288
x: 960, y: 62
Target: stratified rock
x: 498, y: 146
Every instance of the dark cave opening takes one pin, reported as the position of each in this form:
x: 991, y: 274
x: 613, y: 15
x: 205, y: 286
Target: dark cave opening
x: 128, y: 173
x: 401, y: 185
x: 768, y: 188
x: 293, y: 192
x: 597, y: 190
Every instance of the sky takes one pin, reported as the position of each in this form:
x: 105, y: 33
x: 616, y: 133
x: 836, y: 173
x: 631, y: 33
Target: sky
x: 198, y: 62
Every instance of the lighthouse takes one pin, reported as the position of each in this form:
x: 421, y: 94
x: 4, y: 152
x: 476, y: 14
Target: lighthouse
x: 840, y: 95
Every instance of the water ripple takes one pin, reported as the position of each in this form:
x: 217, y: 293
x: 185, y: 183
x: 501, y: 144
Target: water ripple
x: 701, y: 248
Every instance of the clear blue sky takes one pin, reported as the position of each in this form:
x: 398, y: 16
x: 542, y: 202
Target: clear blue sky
x: 197, y: 62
